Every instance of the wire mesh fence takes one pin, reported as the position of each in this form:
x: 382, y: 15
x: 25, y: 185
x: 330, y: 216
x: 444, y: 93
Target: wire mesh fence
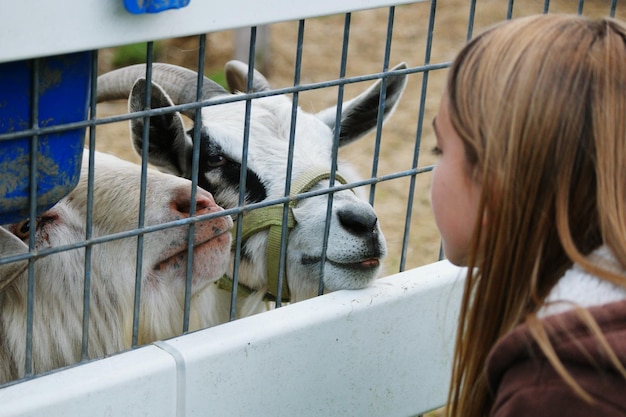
x: 104, y: 270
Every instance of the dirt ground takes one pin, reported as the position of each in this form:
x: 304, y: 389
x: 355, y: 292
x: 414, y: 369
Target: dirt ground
x: 321, y: 59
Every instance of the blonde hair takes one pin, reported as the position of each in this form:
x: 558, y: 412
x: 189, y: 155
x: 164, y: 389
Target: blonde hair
x: 540, y: 106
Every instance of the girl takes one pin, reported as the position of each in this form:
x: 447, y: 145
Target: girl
x: 529, y: 192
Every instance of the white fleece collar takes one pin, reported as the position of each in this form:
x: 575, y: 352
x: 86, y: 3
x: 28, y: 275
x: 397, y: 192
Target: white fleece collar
x: 579, y: 288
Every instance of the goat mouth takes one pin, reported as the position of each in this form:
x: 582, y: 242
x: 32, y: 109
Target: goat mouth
x: 207, y: 256
x: 362, y: 265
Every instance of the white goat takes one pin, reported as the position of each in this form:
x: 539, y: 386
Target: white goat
x: 356, y: 245
x: 59, y: 277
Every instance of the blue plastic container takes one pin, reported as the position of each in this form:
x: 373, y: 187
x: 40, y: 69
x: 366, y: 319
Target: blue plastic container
x: 64, y: 85
x: 153, y: 6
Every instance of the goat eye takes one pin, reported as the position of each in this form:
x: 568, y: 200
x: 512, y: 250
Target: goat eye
x: 22, y: 230
x: 216, y: 160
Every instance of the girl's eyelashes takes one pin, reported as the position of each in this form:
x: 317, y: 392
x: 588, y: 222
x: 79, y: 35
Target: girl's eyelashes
x: 435, y: 151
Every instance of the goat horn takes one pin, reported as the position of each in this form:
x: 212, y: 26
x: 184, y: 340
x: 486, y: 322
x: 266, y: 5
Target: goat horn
x: 179, y: 83
x: 237, y: 78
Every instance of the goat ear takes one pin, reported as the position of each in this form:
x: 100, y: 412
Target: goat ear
x: 169, y: 146
x: 359, y: 115
x: 11, y: 245
x: 237, y: 78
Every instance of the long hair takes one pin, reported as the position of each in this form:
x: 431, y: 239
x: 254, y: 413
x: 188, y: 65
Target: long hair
x: 540, y: 106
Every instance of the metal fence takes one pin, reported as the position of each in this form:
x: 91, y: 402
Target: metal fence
x: 205, y: 371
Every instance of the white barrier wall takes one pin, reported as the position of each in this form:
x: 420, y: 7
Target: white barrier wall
x: 34, y: 28
x: 382, y: 351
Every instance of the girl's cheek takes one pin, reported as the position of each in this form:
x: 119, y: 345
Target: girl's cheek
x: 436, y: 194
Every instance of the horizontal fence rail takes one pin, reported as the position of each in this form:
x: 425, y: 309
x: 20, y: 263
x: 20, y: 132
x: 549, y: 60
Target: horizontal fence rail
x: 98, y: 24
x: 384, y: 350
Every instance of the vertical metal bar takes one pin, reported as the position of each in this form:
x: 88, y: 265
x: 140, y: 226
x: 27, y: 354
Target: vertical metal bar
x: 470, y: 20
x: 89, y: 213
x: 546, y: 6
x: 242, y: 178
x: 509, y: 10
x: 292, y: 139
x: 613, y: 8
x: 381, y: 103
x: 335, y: 150
x: 142, y: 195
x: 418, y: 135
x: 195, y: 163
x: 581, y: 4
x: 34, y: 145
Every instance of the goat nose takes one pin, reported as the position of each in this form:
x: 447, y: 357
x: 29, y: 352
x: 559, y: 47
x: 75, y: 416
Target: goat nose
x: 204, y: 201
x: 358, y: 222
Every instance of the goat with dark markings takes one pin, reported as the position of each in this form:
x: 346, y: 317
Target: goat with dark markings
x: 356, y: 245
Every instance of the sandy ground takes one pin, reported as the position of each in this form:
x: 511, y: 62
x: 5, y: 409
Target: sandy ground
x: 321, y: 58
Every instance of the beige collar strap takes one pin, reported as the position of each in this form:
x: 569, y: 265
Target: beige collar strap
x: 271, y: 218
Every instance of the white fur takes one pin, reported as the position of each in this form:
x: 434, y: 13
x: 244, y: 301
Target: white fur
x: 268, y: 150
x: 59, y: 278
x: 579, y: 288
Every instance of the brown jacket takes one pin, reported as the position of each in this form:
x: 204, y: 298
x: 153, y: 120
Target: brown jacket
x: 524, y: 383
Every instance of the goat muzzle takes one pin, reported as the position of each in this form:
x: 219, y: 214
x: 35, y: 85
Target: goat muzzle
x: 271, y: 218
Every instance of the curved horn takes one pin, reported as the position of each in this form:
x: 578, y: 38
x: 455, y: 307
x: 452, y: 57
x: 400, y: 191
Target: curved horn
x: 237, y: 78
x: 179, y: 83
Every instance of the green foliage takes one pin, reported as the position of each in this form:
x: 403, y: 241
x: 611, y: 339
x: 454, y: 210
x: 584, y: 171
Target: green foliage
x: 219, y: 77
x: 132, y: 54
x: 136, y: 54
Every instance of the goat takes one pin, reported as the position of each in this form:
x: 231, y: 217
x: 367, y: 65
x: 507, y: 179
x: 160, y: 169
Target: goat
x: 356, y: 245
x: 59, y: 277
